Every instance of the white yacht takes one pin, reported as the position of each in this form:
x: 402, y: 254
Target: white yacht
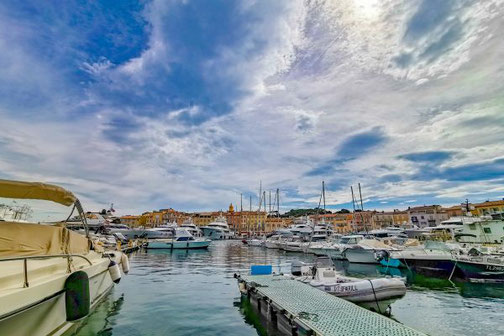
x: 51, y: 277
x: 182, y: 239
x: 337, y: 251
x: 192, y: 228
x: 218, y: 229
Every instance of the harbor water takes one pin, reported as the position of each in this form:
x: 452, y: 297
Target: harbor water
x: 195, y: 293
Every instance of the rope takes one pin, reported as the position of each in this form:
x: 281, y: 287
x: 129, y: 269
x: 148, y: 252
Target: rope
x: 453, y: 271
x: 376, y: 299
x: 308, y: 316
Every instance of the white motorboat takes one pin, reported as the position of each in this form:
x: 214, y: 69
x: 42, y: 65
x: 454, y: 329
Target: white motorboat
x: 181, y: 240
x: 273, y: 241
x: 337, y: 251
x: 218, y: 229
x: 294, y: 244
x: 192, y: 228
x: 365, y: 251
x: 254, y: 242
x: 52, y: 277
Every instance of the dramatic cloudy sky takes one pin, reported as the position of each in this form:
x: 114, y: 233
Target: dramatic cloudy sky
x: 187, y: 103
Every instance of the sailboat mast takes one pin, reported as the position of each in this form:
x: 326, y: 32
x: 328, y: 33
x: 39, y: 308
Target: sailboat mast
x: 360, y: 194
x: 270, y: 201
x: 323, y: 193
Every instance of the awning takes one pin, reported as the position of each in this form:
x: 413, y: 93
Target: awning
x: 36, y: 190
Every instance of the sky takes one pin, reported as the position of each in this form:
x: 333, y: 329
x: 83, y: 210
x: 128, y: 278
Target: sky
x: 189, y: 103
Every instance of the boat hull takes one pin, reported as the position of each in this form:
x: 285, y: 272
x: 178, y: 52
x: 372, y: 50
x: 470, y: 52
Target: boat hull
x: 359, y: 291
x: 183, y: 245
x: 362, y: 256
x: 46, y: 315
x: 336, y: 253
x: 480, y: 272
x: 431, y: 267
x: 215, y: 234
x: 271, y: 245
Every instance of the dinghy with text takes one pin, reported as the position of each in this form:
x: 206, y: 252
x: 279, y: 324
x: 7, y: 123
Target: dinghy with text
x: 379, y: 292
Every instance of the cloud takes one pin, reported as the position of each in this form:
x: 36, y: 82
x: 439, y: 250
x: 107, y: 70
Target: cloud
x: 188, y: 104
x: 428, y: 157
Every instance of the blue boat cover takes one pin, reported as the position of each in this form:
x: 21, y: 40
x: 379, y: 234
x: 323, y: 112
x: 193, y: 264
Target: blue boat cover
x: 261, y: 269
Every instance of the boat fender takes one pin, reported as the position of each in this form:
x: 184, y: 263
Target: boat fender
x: 77, y: 297
x: 125, y: 263
x: 115, y: 272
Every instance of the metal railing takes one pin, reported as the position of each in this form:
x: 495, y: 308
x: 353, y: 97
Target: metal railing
x: 25, y: 262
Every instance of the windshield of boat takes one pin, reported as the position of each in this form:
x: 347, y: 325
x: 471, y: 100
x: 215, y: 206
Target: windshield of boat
x: 33, y: 211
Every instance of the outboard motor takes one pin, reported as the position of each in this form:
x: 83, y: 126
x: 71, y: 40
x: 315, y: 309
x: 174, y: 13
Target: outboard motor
x: 382, y: 254
x: 296, y: 267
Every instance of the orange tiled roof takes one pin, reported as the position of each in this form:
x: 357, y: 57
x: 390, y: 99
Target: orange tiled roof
x: 489, y: 203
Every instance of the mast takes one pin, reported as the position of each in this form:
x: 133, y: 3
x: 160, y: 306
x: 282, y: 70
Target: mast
x: 362, y: 209
x: 250, y: 203
x: 241, y: 202
x: 323, y: 193
x: 278, y: 201
x: 360, y: 194
x: 270, y: 201
x: 264, y: 218
x: 353, y: 205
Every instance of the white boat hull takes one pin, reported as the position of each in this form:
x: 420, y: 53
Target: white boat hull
x: 271, y: 245
x: 216, y: 234
x: 362, y: 256
x: 358, y: 290
x: 171, y: 245
x: 40, y: 309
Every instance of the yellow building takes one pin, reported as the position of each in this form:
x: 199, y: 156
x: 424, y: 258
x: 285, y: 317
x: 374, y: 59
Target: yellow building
x: 486, y: 208
x: 130, y: 220
x: 341, y: 222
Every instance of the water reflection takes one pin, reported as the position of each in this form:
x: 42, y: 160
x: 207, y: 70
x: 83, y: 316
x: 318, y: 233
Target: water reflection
x: 101, y: 321
x: 194, y: 293
x: 417, y: 281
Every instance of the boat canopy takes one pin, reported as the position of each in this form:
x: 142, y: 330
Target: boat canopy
x: 29, y: 239
x: 36, y: 190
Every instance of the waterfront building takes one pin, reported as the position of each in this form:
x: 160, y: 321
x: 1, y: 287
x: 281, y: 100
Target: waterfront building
x: 130, y: 220
x: 487, y: 208
x: 456, y: 210
x: 363, y: 221
x: 390, y: 218
x: 340, y: 222
x: 427, y: 215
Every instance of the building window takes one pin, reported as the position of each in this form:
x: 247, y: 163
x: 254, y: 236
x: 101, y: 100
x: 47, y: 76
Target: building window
x: 422, y: 217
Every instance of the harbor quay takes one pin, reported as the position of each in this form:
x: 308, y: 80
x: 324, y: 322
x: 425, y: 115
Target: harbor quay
x: 94, y: 272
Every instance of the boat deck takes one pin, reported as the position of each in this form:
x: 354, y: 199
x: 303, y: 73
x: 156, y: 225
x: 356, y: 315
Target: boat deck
x: 315, y: 312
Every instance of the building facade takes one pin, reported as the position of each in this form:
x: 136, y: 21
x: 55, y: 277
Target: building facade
x: 487, y: 208
x: 427, y: 216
